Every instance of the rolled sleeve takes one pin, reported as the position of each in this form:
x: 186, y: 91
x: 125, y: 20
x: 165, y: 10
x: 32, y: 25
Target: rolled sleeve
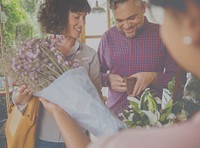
x: 104, y: 69
x: 21, y: 108
x: 169, y: 72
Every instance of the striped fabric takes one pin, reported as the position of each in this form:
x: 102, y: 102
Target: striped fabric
x: 126, y: 56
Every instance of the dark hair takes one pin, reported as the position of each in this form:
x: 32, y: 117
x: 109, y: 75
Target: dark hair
x: 113, y: 3
x: 53, y: 14
x: 179, y: 5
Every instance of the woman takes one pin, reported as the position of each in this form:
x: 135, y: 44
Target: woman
x: 181, y: 34
x: 62, y: 17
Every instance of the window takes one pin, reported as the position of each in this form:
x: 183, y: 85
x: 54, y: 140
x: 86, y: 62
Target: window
x: 96, y: 25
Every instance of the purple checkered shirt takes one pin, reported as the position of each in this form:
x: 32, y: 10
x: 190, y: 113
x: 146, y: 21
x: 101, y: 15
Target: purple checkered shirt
x: 126, y: 56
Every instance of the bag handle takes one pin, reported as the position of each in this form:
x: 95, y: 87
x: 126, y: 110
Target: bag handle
x: 10, y: 107
x: 32, y: 110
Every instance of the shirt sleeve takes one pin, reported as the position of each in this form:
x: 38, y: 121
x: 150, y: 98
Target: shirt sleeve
x: 169, y: 72
x: 104, y: 69
x: 21, y: 108
x: 95, y: 73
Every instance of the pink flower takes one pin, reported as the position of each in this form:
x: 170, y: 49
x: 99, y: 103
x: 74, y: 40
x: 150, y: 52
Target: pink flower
x: 41, y: 60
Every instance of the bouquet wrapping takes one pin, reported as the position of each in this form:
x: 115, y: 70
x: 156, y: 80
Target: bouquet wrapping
x: 40, y: 65
x: 74, y: 92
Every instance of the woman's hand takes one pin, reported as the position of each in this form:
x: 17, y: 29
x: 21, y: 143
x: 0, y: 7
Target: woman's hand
x: 23, y: 95
x: 72, y: 133
x: 49, y: 106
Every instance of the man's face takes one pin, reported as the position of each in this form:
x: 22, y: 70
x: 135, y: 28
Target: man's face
x: 129, y: 17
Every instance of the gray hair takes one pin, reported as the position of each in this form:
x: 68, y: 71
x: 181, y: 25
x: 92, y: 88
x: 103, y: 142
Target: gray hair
x: 113, y: 3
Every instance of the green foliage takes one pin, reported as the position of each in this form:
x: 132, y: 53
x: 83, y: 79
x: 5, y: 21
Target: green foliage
x: 170, y: 85
x: 146, y: 111
x: 28, y: 6
x: 165, y: 113
x: 148, y: 102
x: 112, y: 21
x: 24, y: 30
x: 15, y: 14
x: 189, y: 107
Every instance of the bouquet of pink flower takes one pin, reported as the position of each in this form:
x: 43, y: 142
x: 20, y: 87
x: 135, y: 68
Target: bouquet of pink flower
x: 39, y: 64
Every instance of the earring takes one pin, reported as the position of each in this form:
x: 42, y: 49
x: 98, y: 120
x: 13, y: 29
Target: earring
x: 187, y: 40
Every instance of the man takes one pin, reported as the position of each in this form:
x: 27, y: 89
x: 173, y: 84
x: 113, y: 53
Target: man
x: 132, y: 48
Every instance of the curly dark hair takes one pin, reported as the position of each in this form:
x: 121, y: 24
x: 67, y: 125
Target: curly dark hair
x: 179, y: 5
x: 53, y: 14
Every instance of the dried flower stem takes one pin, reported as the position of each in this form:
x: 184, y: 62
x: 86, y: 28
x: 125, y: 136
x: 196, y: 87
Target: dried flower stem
x: 55, y: 72
x: 61, y: 71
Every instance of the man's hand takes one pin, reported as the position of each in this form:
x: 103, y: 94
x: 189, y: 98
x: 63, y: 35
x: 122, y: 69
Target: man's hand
x: 144, y: 79
x: 117, y: 83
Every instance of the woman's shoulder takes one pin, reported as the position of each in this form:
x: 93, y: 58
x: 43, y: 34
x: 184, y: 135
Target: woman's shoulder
x: 87, y: 49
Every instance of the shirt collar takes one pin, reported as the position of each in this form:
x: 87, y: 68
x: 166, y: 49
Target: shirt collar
x: 146, y: 22
x: 74, y: 49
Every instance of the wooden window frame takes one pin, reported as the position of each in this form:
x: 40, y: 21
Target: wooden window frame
x: 83, y: 36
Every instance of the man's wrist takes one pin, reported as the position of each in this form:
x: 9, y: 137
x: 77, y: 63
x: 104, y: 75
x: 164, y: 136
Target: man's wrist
x: 155, y: 78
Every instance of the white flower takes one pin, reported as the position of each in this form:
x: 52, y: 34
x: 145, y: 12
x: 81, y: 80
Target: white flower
x: 153, y: 118
x: 131, y: 98
x: 171, y: 116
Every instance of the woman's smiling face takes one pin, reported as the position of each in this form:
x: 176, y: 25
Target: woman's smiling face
x: 76, y: 22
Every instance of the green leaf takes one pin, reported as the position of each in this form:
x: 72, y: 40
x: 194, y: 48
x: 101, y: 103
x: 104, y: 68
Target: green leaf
x: 170, y: 85
x: 126, y: 114
x: 135, y: 106
x: 163, y: 117
x: 129, y: 124
x: 168, y: 108
x: 152, y: 105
